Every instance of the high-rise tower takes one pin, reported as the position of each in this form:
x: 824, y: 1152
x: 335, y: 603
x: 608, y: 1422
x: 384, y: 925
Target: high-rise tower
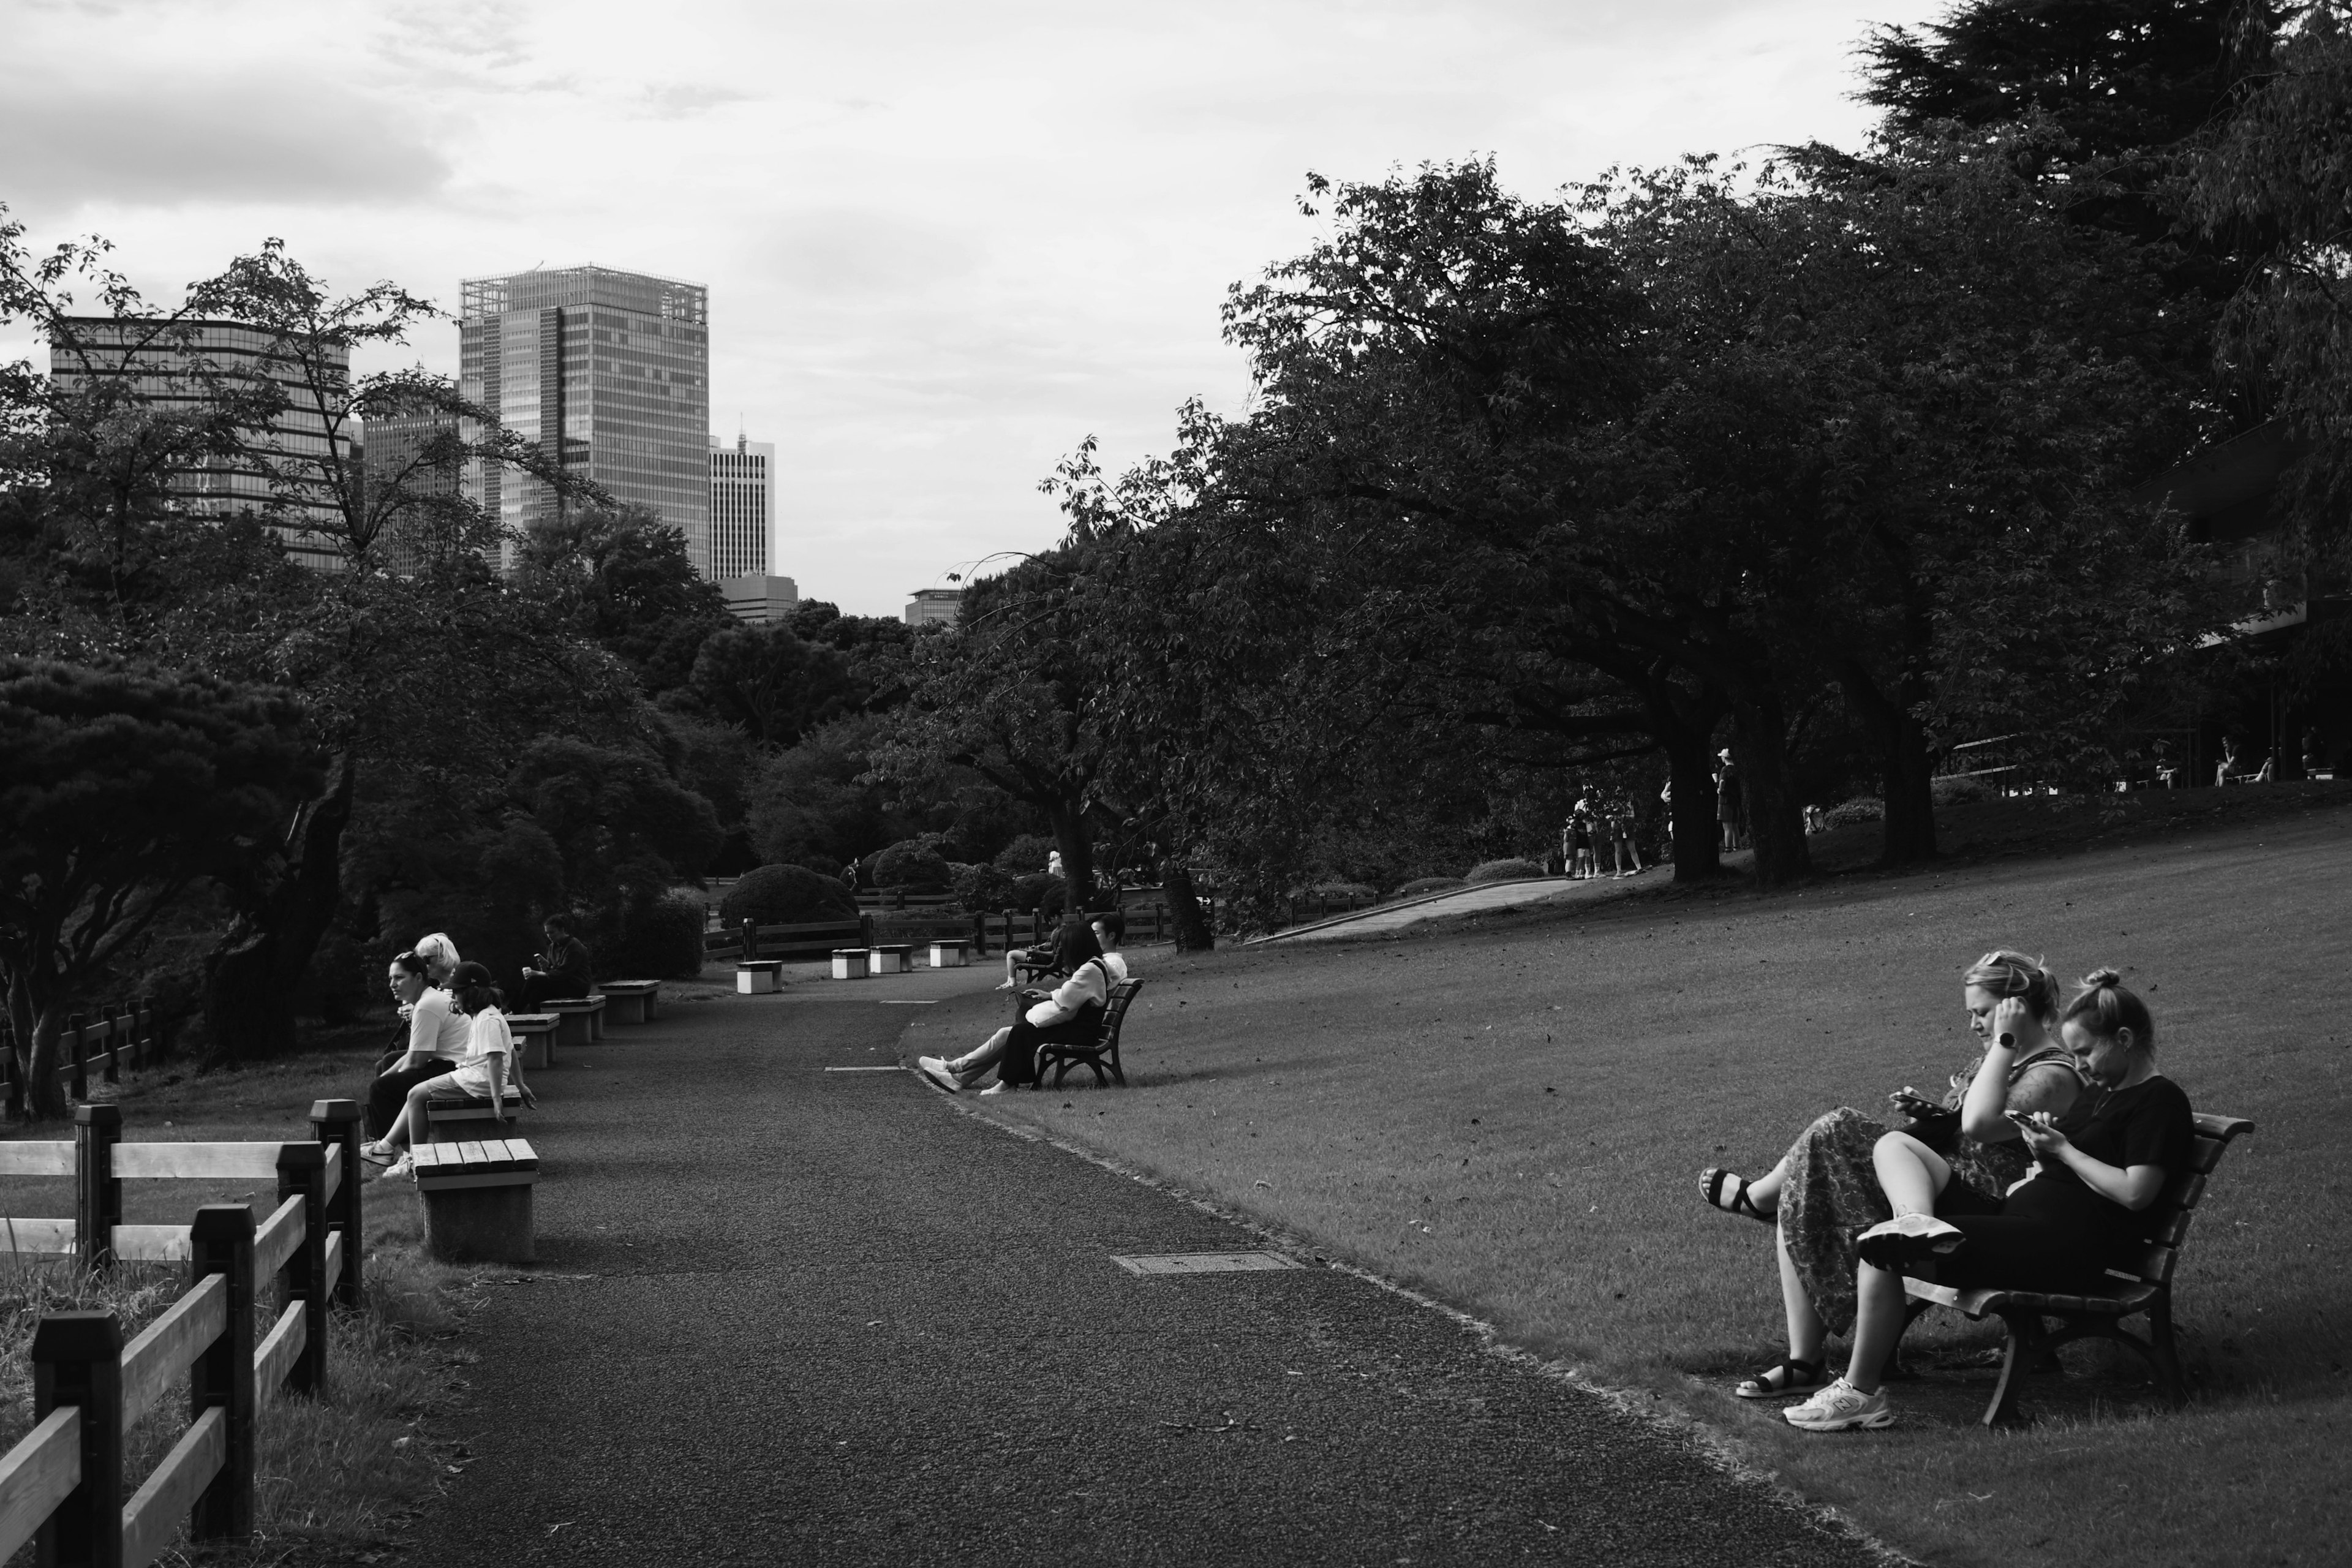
x: 742, y: 507
x: 609, y: 373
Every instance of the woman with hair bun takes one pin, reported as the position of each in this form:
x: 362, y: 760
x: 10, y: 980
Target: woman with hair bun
x: 1827, y: 1189
x: 2096, y: 1170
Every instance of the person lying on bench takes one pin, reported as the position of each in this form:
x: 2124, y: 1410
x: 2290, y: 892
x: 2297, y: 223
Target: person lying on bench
x: 2095, y: 1170
x: 481, y: 1075
x: 1073, y: 1012
x: 1825, y: 1191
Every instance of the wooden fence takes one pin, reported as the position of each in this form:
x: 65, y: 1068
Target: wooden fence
x: 988, y: 934
x: 125, y: 1034
x: 63, y: 1484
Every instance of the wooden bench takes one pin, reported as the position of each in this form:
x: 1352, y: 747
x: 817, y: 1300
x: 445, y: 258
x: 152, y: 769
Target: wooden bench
x: 2145, y: 1287
x: 890, y: 958
x: 583, y: 1018
x: 1104, y: 1049
x: 630, y: 1001
x: 757, y: 976
x: 534, y: 1038
x: 452, y: 1119
x: 478, y: 1199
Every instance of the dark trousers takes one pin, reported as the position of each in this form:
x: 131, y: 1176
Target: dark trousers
x: 387, y: 1092
x: 1019, y: 1063
x: 538, y: 989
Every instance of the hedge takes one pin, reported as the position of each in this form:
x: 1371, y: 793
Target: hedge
x: 787, y: 895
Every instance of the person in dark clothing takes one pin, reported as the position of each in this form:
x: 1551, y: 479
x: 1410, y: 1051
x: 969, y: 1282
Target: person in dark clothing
x: 561, y: 972
x: 2097, y: 1170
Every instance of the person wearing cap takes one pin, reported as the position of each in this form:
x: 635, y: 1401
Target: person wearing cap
x: 481, y: 1074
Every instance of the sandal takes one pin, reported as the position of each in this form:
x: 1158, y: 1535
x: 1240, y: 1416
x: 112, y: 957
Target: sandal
x: 1795, y: 1377
x: 1714, y: 1180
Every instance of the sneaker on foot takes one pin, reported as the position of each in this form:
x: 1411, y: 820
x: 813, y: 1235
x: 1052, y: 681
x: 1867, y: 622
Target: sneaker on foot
x: 1841, y: 1407
x: 937, y: 1069
x: 1908, y: 1239
x: 401, y: 1170
x: 378, y: 1154
x: 997, y: 1087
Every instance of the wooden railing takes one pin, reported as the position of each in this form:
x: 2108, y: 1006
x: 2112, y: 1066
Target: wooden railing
x: 62, y: 1485
x: 126, y: 1034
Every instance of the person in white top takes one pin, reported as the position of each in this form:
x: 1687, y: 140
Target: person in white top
x: 434, y: 1039
x: 481, y: 1074
x: 1089, y: 955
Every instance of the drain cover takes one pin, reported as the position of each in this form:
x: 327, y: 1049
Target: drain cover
x: 1205, y: 1262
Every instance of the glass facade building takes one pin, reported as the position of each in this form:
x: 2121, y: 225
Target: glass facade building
x: 743, y: 508
x: 288, y: 470
x: 608, y: 373
x: 401, y: 458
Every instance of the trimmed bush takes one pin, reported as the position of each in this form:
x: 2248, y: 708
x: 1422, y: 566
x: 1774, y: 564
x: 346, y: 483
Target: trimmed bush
x: 1038, y: 893
x: 1025, y: 855
x: 658, y: 940
x: 1854, y: 813
x: 1503, y: 870
x: 787, y: 895
x: 913, y: 864
x: 983, y: 887
x: 1423, y: 885
x: 1962, y: 790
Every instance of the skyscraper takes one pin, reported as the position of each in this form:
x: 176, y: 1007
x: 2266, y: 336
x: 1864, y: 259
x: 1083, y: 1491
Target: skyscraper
x: 287, y: 470
x: 743, y: 508
x: 609, y: 373
x: 406, y: 460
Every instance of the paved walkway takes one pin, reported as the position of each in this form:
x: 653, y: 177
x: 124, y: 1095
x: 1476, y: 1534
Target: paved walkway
x: 1489, y: 896
x: 788, y: 1315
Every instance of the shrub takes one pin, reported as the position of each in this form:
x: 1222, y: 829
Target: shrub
x: 912, y: 864
x: 1961, y: 789
x: 661, y: 940
x: 983, y: 887
x: 1025, y: 855
x: 1854, y: 813
x: 1420, y: 885
x: 787, y: 895
x: 1503, y: 870
x: 1342, y: 890
x: 1038, y: 893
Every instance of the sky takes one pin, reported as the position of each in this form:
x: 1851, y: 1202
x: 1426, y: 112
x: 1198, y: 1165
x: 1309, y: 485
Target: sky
x: 946, y: 240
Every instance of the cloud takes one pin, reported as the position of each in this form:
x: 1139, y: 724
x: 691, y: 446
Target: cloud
x: 206, y: 137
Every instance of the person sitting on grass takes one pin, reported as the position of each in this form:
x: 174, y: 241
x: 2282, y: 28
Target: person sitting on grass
x: 481, y: 1075
x: 2096, y: 1171
x: 1089, y: 955
x: 1825, y: 1191
x: 432, y: 1037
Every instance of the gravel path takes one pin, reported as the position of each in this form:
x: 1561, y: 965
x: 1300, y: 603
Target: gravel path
x: 788, y: 1315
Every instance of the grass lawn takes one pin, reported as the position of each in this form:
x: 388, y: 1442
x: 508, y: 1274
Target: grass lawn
x: 338, y: 1475
x: 1510, y: 1113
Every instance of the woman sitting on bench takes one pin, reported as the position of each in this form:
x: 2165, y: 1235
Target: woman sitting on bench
x: 481, y: 1075
x: 1825, y: 1190
x: 2095, y: 1171
x: 1073, y: 1012
x: 434, y: 1035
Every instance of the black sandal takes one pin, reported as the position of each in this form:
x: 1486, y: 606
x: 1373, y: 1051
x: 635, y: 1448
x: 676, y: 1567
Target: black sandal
x: 1712, y: 1182
x: 1795, y: 1377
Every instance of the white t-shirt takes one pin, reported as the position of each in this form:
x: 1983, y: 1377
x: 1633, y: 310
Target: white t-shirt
x: 435, y: 1028
x: 1091, y: 985
x: 490, y: 1038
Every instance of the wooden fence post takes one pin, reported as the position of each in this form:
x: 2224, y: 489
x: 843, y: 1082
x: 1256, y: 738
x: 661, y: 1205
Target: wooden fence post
x: 98, y: 1191
x: 302, y: 1174
x: 221, y: 1242
x: 865, y: 928
x: 338, y: 1122
x: 77, y: 1361
x: 81, y: 1057
x: 750, y: 941
x: 118, y: 1030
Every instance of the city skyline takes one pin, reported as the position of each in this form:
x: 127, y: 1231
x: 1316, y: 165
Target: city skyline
x: 945, y: 244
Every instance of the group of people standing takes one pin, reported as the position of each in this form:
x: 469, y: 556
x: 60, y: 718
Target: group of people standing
x: 1600, y: 832
x: 456, y: 1043
x: 2034, y: 1172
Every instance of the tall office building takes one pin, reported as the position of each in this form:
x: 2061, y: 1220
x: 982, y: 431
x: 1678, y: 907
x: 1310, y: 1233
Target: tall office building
x: 409, y: 457
x: 934, y: 607
x: 743, y: 508
x: 609, y: 373
x: 286, y: 470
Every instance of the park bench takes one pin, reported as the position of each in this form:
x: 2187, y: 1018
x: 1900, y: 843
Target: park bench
x: 2145, y: 1287
x: 630, y: 1001
x: 890, y: 958
x: 534, y: 1038
x: 950, y: 955
x: 757, y: 976
x: 450, y: 1119
x: 583, y: 1019
x: 1103, y: 1050
x: 478, y: 1199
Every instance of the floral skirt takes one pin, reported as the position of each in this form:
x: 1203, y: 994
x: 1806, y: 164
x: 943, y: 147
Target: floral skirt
x: 1832, y: 1197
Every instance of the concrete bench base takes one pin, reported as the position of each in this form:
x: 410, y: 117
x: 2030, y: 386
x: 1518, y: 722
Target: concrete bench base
x: 534, y: 1038
x: 477, y: 1202
x: 759, y: 976
x: 579, y: 1019
x: 631, y: 1001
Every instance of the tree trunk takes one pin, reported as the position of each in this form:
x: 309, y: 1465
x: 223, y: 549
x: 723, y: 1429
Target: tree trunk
x: 1192, y: 931
x: 44, y: 1094
x: 1078, y: 860
x: 251, y: 974
x: 1683, y: 723
x: 1776, y: 819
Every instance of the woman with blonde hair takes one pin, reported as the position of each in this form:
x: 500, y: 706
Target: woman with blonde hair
x: 1826, y: 1191
x: 2096, y: 1170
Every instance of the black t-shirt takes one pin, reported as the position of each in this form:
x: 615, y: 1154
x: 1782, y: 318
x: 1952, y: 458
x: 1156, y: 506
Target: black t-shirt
x: 2149, y: 1123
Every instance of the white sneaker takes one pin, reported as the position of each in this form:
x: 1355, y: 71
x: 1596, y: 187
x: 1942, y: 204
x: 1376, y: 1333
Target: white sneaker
x: 1841, y: 1407
x: 936, y: 1069
x: 401, y: 1170
x: 1908, y: 1239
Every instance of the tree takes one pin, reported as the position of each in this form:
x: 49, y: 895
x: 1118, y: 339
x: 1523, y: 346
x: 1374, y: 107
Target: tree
x: 878, y: 649
x: 767, y: 683
x: 120, y: 788
x: 626, y: 578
